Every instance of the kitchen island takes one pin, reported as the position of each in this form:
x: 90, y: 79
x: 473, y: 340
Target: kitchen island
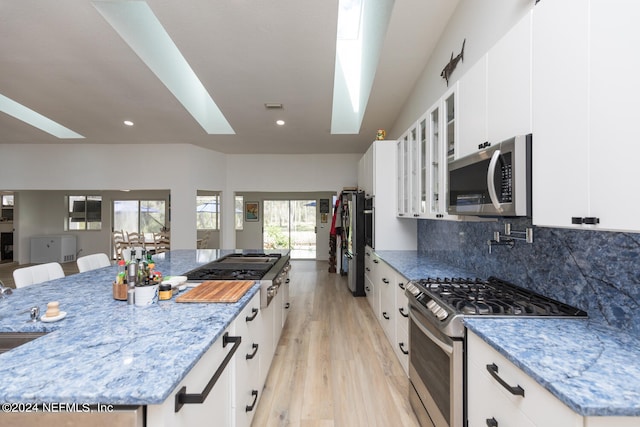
x: 105, y: 351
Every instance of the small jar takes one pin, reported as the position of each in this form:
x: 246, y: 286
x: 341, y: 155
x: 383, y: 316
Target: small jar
x: 165, y: 292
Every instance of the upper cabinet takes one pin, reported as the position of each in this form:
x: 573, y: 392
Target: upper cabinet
x: 423, y: 153
x: 584, y: 114
x: 379, y: 169
x: 495, y: 93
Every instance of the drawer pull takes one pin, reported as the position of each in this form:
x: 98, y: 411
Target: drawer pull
x: 254, y: 311
x: 385, y: 315
x: 182, y: 397
x: 402, y: 312
x: 250, y: 356
x: 249, y: 408
x: 402, y: 348
x: 493, y: 370
x: 491, y: 422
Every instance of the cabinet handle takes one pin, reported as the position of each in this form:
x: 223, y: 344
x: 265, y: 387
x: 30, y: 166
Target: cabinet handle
x: 367, y: 268
x: 416, y: 215
x: 287, y: 305
x: 249, y: 408
x: 491, y: 422
x: 375, y: 261
x: 402, y: 312
x: 367, y: 288
x: 493, y: 370
x: 182, y: 397
x: 287, y: 281
x: 385, y: 315
x: 255, y: 351
x: 591, y: 220
x: 385, y: 281
x: 401, y: 285
x: 254, y: 312
x: 401, y: 345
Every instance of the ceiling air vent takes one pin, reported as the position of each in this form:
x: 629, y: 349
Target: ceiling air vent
x: 273, y: 106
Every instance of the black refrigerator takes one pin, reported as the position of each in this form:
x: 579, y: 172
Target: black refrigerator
x: 353, y: 223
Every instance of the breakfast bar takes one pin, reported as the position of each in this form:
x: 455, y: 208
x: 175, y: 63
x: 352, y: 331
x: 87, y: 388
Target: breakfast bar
x: 104, y: 351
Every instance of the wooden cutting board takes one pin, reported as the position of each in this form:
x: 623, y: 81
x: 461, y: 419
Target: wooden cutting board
x: 217, y: 291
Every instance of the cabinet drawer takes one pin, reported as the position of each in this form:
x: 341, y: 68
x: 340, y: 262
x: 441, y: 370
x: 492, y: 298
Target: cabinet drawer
x: 537, y: 404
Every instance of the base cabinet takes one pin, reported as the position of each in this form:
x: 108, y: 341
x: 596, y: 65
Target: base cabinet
x: 235, y: 395
x: 491, y: 403
x: 384, y: 288
x: 218, y: 402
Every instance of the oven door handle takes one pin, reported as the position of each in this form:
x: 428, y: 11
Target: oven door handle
x: 445, y: 347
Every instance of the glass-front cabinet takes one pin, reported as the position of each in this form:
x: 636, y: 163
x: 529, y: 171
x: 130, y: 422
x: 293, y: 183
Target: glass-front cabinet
x: 404, y: 176
x: 423, y: 154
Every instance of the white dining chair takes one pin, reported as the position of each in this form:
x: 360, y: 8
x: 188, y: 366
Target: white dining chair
x: 93, y: 261
x: 37, y: 274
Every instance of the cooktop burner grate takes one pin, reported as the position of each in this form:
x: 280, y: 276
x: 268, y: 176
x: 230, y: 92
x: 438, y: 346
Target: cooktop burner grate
x: 473, y: 296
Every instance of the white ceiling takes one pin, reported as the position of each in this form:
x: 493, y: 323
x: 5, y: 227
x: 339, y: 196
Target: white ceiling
x: 63, y: 60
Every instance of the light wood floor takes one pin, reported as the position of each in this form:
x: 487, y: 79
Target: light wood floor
x: 333, y: 366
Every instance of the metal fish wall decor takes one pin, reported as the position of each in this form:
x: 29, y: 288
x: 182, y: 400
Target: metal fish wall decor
x: 453, y: 62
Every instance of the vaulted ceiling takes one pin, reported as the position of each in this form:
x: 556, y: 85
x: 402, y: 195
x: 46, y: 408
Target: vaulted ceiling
x: 63, y: 60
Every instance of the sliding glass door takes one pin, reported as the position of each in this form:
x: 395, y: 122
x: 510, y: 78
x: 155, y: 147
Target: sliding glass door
x: 290, y: 224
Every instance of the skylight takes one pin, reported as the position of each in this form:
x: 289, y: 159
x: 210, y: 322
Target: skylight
x: 136, y: 23
x: 35, y: 119
x: 362, y: 25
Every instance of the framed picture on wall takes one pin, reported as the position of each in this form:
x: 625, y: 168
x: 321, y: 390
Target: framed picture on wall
x: 251, y: 211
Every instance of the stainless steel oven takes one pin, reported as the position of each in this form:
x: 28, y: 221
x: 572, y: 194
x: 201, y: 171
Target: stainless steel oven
x: 436, y: 337
x: 435, y: 371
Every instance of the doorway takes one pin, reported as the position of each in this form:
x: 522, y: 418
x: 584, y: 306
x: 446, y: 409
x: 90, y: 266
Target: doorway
x: 290, y: 224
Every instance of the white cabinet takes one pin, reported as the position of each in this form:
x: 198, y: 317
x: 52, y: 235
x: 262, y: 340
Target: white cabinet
x: 384, y: 288
x: 218, y: 402
x: 509, y: 84
x: 493, y: 385
x: 53, y: 248
x: 584, y: 114
x: 248, y: 387
x: 473, y: 108
x: 390, y: 232
x: 488, y: 399
x: 495, y: 93
x: 404, y: 175
x: 386, y: 314
x: 425, y: 150
x: 401, y: 345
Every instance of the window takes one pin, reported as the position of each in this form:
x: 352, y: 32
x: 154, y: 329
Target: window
x: 238, y: 213
x: 141, y: 216
x: 208, y: 212
x: 84, y: 213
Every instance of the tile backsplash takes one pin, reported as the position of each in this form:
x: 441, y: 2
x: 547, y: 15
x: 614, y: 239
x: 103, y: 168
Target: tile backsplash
x: 596, y: 271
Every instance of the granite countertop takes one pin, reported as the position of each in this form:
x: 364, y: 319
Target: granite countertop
x: 106, y: 351
x: 591, y: 367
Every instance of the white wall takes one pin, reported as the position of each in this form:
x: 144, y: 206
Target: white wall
x: 482, y: 24
x: 180, y: 168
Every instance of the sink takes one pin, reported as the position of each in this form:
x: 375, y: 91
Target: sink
x: 10, y: 340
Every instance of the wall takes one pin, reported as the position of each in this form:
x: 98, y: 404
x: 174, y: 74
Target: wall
x: 482, y: 24
x: 596, y: 271
x: 250, y: 237
x: 182, y: 169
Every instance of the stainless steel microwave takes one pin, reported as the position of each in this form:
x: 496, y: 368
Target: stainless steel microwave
x: 495, y: 181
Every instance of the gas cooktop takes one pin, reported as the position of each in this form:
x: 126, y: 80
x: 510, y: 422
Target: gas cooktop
x: 447, y: 301
x: 245, y: 266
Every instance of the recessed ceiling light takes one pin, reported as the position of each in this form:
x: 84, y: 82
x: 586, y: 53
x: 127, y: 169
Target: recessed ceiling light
x: 280, y: 122
x: 128, y: 122
x: 136, y: 23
